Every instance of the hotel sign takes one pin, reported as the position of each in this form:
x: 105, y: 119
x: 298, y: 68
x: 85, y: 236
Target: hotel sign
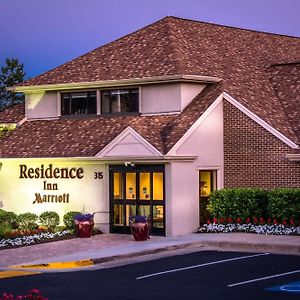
x: 50, y: 172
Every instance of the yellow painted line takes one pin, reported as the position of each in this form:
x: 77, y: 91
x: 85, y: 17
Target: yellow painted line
x: 9, y: 274
x: 58, y: 265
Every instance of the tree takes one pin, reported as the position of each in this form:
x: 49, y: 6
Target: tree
x: 10, y: 75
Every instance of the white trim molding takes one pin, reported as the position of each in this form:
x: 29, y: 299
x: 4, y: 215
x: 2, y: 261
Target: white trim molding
x: 128, y: 131
x: 114, y: 83
x: 293, y: 156
x: 179, y: 143
x: 58, y: 103
x: 260, y: 121
x: 242, y: 108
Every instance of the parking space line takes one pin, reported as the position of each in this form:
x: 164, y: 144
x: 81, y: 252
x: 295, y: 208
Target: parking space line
x: 263, y: 278
x: 201, y: 265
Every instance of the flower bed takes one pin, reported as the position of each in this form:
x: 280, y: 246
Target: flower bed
x: 33, y: 294
x: 36, y: 238
x: 269, y: 229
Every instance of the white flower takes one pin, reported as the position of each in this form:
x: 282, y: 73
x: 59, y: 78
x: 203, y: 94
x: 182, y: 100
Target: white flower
x: 268, y: 229
x: 32, y: 239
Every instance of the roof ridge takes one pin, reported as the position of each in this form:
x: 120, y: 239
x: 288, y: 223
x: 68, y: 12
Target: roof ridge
x: 172, y: 39
x: 230, y: 26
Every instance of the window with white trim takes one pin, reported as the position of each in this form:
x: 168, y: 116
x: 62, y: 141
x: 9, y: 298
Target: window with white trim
x: 120, y: 101
x: 78, y: 103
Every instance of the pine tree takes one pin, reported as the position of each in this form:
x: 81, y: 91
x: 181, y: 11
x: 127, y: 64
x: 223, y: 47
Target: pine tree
x: 10, y: 75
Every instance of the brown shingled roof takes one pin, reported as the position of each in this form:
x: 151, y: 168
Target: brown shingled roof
x: 175, y: 46
x: 13, y: 114
x: 76, y: 137
x: 171, y: 46
x: 285, y: 79
x: 86, y: 137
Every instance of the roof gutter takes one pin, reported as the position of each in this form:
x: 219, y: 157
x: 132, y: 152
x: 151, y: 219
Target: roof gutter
x: 105, y: 160
x: 114, y: 83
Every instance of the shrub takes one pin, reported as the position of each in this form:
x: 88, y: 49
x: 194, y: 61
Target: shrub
x: 27, y: 221
x: 4, y: 230
x: 284, y: 204
x: 238, y: 203
x: 69, y: 219
x: 49, y: 219
x: 8, y: 218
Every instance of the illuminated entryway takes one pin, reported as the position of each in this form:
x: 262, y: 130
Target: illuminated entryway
x: 207, y: 184
x: 137, y: 190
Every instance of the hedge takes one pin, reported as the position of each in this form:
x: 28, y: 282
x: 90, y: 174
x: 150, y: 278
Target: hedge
x: 284, y: 204
x: 245, y: 203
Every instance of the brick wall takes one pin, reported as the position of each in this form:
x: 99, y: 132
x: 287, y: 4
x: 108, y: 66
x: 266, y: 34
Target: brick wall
x: 253, y: 157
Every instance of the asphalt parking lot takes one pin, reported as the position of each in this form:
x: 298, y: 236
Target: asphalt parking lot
x: 197, y: 275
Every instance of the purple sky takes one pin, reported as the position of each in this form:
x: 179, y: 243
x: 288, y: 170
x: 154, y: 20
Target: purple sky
x: 44, y: 34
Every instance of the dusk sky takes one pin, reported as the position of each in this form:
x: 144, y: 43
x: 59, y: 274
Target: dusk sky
x: 45, y: 34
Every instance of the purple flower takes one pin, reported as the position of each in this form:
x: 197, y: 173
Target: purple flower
x: 138, y: 219
x: 84, y: 217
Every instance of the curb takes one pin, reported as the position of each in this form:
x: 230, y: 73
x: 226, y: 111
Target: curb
x: 218, y: 245
x: 275, y: 248
x: 11, y: 274
x: 58, y: 265
x: 148, y: 252
x: 94, y: 261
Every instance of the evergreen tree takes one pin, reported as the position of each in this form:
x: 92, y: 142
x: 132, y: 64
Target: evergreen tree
x: 12, y: 73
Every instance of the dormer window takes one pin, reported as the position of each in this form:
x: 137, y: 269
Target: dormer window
x: 79, y: 103
x: 120, y: 101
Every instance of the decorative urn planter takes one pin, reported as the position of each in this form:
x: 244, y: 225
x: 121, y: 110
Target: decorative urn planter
x: 84, y: 225
x: 140, y: 227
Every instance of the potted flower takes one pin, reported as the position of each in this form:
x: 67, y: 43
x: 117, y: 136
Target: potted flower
x: 84, y: 224
x: 140, y: 227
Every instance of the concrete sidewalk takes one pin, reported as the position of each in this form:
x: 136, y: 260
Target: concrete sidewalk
x: 110, y: 247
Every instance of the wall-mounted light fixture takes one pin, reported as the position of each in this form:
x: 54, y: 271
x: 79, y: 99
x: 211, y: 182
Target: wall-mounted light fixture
x: 129, y: 163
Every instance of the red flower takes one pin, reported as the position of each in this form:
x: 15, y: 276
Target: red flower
x: 275, y: 222
x: 261, y: 220
x: 229, y: 220
x: 208, y: 222
x: 34, y: 291
x: 215, y: 221
x: 248, y: 220
x: 239, y: 220
x: 255, y: 220
x: 269, y: 221
x: 222, y: 220
x: 292, y: 221
x: 284, y: 222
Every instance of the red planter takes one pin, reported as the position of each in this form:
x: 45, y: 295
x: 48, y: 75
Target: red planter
x: 140, y: 231
x: 84, y: 229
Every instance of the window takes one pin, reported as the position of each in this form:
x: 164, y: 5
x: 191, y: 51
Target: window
x: 78, y: 103
x: 120, y: 101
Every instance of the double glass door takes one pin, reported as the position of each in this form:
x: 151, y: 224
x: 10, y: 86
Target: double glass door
x: 137, y: 190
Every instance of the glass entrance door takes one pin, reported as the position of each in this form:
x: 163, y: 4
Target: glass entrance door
x: 207, y: 184
x: 137, y: 190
